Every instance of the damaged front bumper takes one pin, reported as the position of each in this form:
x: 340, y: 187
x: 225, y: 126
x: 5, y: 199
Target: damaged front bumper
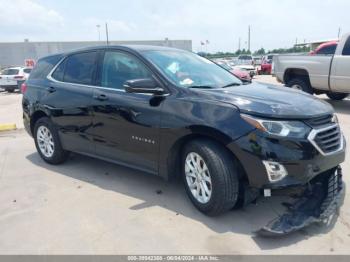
x: 318, y: 203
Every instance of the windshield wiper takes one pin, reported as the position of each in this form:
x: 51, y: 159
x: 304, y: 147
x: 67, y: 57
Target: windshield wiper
x: 232, y: 84
x: 203, y: 86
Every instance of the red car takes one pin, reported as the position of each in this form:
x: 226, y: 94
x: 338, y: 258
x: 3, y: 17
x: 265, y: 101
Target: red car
x: 266, y: 65
x: 327, y: 48
x: 243, y: 75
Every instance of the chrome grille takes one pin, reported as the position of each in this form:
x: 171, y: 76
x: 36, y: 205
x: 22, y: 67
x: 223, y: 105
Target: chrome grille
x: 327, y: 140
x: 320, y: 121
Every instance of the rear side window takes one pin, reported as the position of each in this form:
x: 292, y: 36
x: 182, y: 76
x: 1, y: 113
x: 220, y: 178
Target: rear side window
x: 346, y: 50
x: 80, y: 68
x: 27, y: 70
x: 44, y: 66
x: 328, y: 50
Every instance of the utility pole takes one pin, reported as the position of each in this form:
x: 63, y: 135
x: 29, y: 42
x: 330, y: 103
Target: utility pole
x: 107, y: 34
x: 339, y: 31
x: 239, y: 43
x: 249, y: 38
x: 99, y: 33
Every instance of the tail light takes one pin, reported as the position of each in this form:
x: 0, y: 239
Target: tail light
x: 18, y: 77
x: 23, y: 88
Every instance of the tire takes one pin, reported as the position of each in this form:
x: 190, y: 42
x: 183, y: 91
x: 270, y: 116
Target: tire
x: 10, y: 90
x: 300, y: 84
x: 222, y: 172
x: 337, y: 96
x: 58, y: 154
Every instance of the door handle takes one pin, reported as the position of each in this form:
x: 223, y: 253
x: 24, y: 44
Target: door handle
x: 100, y: 97
x: 51, y: 89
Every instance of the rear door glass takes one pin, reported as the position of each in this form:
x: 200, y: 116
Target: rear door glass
x: 80, y: 68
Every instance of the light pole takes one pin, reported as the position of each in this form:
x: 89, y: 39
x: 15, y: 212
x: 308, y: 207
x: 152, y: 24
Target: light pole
x: 99, y: 33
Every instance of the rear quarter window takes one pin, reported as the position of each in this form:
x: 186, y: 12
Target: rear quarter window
x: 44, y: 67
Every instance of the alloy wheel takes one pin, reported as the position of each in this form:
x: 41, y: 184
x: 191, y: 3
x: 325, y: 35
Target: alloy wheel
x: 45, y: 141
x: 198, y: 178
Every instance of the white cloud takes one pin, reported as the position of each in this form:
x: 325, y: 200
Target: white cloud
x: 274, y: 23
x: 26, y: 18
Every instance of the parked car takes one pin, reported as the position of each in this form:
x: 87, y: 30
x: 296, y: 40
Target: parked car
x: 243, y: 75
x: 317, y: 74
x: 12, y: 78
x: 327, y: 48
x: 266, y: 65
x: 248, y: 68
x: 173, y: 113
x: 257, y: 60
x: 245, y: 60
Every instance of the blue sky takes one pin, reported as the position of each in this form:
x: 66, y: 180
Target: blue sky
x: 273, y: 23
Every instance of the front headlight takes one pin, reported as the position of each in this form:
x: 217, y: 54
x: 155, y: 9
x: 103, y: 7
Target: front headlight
x: 294, y: 129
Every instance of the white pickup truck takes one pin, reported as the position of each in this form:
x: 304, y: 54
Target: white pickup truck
x: 317, y: 74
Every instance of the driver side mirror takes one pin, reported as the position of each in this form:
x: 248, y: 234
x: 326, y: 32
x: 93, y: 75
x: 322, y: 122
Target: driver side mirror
x: 143, y: 86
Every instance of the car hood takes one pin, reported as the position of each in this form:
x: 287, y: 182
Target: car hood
x: 270, y: 101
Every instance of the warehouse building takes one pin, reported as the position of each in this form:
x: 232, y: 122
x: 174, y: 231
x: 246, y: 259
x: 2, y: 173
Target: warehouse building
x: 15, y: 54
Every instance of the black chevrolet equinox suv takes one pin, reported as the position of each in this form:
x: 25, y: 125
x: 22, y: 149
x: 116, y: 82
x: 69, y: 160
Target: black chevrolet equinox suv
x: 173, y: 113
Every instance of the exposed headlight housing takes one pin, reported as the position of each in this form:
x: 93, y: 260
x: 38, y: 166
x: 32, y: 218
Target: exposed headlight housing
x: 275, y: 171
x: 296, y: 129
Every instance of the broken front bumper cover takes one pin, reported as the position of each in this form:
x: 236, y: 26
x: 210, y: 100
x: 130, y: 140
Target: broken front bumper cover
x: 318, y: 203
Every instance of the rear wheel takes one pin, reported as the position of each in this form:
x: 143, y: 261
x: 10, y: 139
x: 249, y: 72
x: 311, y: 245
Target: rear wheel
x: 337, y: 96
x: 300, y: 84
x: 47, y: 142
x: 210, y: 177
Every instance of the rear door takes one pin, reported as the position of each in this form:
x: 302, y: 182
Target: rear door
x: 340, y: 73
x: 68, y: 98
x: 126, y: 125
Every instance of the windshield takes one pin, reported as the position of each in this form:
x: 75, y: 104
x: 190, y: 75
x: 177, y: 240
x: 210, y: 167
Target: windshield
x: 245, y: 57
x: 186, y: 69
x: 10, y: 72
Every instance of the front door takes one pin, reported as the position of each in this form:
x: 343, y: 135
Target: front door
x: 126, y: 125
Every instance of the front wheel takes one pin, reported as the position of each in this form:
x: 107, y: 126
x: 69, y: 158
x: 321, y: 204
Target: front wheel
x: 300, y: 84
x: 210, y: 177
x: 10, y: 89
x: 337, y: 96
x: 47, y: 142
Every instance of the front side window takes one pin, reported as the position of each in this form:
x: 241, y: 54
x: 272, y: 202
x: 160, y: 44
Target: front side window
x: 186, y: 69
x: 346, y: 50
x: 119, y: 67
x: 80, y: 68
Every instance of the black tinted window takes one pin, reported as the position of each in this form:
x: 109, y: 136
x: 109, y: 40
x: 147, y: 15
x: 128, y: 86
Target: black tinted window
x: 27, y: 70
x: 328, y: 50
x: 346, y: 50
x: 119, y: 67
x: 59, y: 72
x: 44, y: 66
x: 79, y: 68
